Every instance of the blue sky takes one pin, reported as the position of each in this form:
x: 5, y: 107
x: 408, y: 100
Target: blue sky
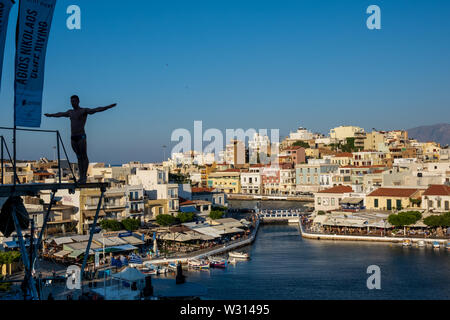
x: 237, y: 64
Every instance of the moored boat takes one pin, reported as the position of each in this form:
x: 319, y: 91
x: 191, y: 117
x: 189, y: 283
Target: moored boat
x: 447, y: 245
x: 172, y: 266
x: 406, y: 243
x: 436, y: 245
x: 239, y: 255
x: 198, y: 264
x: 218, y: 263
x: 421, y: 243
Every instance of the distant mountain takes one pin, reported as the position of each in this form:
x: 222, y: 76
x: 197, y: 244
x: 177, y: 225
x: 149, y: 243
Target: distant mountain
x: 439, y: 133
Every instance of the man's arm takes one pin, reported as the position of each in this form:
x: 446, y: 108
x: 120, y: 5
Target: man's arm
x: 100, y: 109
x: 58, y: 115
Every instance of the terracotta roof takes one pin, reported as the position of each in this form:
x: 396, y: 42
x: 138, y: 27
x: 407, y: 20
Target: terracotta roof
x: 393, y: 192
x: 294, y: 148
x: 187, y: 203
x: 437, y: 190
x: 338, y: 189
x: 344, y: 154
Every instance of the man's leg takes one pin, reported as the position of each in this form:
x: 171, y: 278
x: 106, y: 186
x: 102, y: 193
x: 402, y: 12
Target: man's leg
x: 84, y: 160
x: 76, y: 149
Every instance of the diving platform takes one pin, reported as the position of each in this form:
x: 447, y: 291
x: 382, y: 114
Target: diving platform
x: 32, y: 189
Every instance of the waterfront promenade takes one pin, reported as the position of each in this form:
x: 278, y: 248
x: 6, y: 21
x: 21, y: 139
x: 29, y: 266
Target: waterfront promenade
x: 321, y: 236
x: 303, y: 198
x: 210, y: 251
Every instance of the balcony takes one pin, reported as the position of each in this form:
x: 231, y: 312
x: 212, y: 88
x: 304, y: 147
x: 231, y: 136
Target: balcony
x: 135, y: 199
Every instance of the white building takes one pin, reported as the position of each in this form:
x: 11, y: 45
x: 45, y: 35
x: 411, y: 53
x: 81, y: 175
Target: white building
x: 257, y: 145
x: 301, y: 134
x: 251, y: 182
x: 343, y: 132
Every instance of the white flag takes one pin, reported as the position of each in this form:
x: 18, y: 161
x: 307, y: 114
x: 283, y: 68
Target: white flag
x: 33, y: 29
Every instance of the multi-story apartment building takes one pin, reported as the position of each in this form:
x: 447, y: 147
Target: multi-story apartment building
x: 369, y: 158
x: 251, y: 181
x: 99, y: 172
x: 227, y: 181
x: 343, y: 132
x: 287, y: 180
x: 308, y: 175
x: 235, y: 153
x: 270, y: 177
x: 259, y: 144
x: 376, y: 141
x: 135, y: 202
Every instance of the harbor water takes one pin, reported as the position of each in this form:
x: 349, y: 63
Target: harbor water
x: 283, y: 266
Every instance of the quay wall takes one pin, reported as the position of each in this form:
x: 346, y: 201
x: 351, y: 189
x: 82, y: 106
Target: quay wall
x: 320, y: 236
x: 268, y: 197
x: 215, y: 251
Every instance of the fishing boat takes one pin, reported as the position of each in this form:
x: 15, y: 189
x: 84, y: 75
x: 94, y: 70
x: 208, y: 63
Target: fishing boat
x: 148, y: 270
x: 421, y: 243
x: 239, y: 255
x: 218, y: 263
x: 172, y: 266
x: 198, y: 264
x: 406, y: 243
x: 436, y: 245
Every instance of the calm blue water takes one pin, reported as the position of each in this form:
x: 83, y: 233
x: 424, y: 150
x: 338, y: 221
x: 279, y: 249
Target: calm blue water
x: 284, y: 266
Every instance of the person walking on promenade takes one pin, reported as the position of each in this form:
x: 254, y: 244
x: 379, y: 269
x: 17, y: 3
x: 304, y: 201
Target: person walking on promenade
x: 78, y: 117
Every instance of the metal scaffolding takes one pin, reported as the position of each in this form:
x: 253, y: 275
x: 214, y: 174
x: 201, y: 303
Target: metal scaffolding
x: 18, y: 190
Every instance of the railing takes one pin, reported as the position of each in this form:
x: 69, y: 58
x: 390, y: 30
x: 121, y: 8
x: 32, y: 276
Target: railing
x: 59, y: 144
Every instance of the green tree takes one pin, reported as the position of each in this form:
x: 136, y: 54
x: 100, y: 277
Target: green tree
x: 403, y: 219
x: 111, y: 225
x: 216, y: 214
x: 300, y: 143
x: 186, y: 217
x: 165, y: 220
x: 438, y: 220
x: 131, y: 224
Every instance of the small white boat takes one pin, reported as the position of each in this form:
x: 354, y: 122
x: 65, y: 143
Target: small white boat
x: 162, y: 270
x: 421, y: 243
x: 239, y: 255
x: 436, y: 245
x: 447, y: 246
x: 198, y: 264
x: 172, y: 266
x: 232, y: 261
x: 406, y: 243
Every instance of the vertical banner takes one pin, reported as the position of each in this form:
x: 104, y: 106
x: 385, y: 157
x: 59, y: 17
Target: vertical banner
x: 5, y: 9
x: 33, y: 29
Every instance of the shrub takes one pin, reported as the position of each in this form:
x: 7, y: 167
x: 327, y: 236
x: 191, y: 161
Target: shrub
x: 186, y: 217
x: 111, y: 225
x: 165, y: 220
x: 321, y: 213
x: 216, y: 214
x: 131, y: 224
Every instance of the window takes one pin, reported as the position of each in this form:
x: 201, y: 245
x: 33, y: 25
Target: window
x: 376, y: 203
x: 332, y: 201
x: 319, y: 200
